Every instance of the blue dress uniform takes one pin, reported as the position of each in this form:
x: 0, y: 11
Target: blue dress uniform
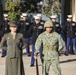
x: 57, y: 27
x: 23, y: 27
x: 42, y: 22
x: 64, y: 32
x: 71, y: 30
x: 4, y: 29
x: 34, y: 31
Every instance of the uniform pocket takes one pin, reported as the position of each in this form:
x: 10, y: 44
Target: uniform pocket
x: 46, y: 56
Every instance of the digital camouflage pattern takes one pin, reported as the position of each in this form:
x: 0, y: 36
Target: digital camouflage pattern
x: 48, y: 24
x: 51, y: 45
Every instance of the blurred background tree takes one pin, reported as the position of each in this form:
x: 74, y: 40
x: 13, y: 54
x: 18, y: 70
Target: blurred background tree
x: 30, y: 6
x: 13, y: 9
x: 52, y: 7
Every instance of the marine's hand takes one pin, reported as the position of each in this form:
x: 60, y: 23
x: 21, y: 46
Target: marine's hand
x: 35, y: 56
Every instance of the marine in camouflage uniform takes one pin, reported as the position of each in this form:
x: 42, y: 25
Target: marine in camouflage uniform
x: 52, y: 42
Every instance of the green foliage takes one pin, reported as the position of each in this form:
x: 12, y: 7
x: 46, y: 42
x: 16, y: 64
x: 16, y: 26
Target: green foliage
x: 13, y: 8
x: 53, y: 7
x: 30, y: 6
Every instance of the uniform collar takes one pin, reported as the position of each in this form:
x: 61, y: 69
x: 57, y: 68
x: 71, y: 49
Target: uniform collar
x: 51, y: 34
x: 12, y: 35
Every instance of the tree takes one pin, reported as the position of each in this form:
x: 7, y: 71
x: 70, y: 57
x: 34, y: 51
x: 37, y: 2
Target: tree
x: 30, y: 5
x: 53, y: 7
x: 13, y: 8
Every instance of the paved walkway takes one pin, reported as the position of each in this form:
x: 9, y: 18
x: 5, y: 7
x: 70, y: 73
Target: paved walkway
x: 67, y: 63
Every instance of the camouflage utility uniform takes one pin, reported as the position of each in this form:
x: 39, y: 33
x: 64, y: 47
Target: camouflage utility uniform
x: 51, y: 44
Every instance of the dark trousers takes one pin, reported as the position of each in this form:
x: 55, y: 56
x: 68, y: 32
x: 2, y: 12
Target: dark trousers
x: 4, y: 51
x: 71, y: 48
x: 27, y: 48
x: 0, y: 38
x: 32, y: 55
x: 68, y: 45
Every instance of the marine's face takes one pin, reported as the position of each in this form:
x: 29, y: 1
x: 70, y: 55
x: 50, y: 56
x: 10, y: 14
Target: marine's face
x: 21, y: 18
x: 24, y: 17
x: 37, y: 21
x: 5, y: 18
x: 53, y: 19
x: 13, y: 28
x: 70, y: 19
x: 49, y: 29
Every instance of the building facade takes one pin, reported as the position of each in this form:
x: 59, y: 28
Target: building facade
x: 74, y: 9
x: 1, y: 10
x: 68, y: 7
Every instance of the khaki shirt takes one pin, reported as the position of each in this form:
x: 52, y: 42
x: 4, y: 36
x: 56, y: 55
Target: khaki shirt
x: 13, y: 44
